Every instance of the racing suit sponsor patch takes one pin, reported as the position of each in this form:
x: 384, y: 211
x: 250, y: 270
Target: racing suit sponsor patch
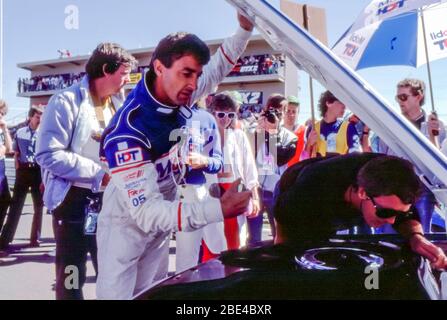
x: 128, y: 156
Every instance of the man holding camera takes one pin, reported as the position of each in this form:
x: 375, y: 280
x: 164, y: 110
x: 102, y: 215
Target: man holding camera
x: 273, y: 146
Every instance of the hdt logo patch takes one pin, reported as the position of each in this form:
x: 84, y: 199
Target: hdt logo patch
x: 129, y: 156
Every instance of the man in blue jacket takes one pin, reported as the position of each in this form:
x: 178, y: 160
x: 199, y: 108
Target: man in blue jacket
x: 143, y: 146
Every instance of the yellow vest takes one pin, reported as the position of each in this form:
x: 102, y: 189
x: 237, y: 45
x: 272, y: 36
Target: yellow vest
x: 341, y: 140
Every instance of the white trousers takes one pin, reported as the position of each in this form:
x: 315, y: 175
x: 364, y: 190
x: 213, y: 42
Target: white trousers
x: 188, y: 243
x: 130, y: 261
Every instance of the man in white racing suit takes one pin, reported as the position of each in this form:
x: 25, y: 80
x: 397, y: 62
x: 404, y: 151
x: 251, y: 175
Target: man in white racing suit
x: 143, y: 147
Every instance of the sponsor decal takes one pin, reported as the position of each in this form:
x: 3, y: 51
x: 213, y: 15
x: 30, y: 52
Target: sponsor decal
x: 134, y: 184
x: 133, y: 175
x: 358, y: 39
x: 252, y: 102
x: 353, y: 46
x: 247, y: 69
x: 129, y: 156
x: 257, y: 65
x: 350, y: 50
x: 440, y: 39
x: 389, y: 6
x: 134, y: 192
x: 442, y: 44
x: 164, y: 167
x: 251, y: 97
x: 169, y: 164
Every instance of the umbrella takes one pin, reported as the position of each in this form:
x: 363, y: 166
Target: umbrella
x: 403, y: 32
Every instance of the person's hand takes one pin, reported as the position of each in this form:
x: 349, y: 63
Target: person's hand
x: 256, y: 207
x: 433, y: 125
x: 354, y: 119
x: 105, y: 180
x: 425, y: 248
x: 265, y: 125
x: 234, y: 203
x: 366, y: 128
x: 3, y: 123
x: 312, y: 138
x: 244, y: 22
x: 197, y: 161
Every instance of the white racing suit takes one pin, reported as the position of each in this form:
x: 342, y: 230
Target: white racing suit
x: 139, y: 207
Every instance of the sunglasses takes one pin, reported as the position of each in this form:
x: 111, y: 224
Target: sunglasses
x: 385, y: 213
x: 221, y: 115
x: 403, y: 97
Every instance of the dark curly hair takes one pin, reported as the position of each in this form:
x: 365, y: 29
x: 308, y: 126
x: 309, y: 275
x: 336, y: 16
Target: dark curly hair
x: 325, y: 97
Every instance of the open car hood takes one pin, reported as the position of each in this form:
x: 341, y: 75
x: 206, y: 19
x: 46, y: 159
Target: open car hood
x: 323, y: 65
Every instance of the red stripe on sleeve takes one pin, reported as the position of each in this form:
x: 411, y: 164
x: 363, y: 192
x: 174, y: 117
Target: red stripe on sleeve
x: 226, y: 57
x: 179, y: 216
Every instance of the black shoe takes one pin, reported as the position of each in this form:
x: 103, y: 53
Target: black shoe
x: 34, y: 244
x: 4, y: 251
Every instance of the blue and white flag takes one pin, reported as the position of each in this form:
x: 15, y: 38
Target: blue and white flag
x: 392, y: 34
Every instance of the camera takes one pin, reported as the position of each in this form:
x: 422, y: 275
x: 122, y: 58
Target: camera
x: 271, y: 115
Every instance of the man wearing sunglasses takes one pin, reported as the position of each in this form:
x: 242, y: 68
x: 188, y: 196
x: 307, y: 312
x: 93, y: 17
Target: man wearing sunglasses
x: 410, y: 96
x: 319, y: 196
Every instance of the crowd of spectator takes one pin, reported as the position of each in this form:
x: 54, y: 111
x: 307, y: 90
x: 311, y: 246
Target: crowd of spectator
x: 249, y: 65
x: 48, y: 83
x: 258, y: 65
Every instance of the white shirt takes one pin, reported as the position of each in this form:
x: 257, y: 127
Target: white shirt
x: 91, y: 148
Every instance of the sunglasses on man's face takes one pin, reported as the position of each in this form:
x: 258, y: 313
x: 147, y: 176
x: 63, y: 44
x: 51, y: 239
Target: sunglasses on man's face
x: 385, y: 213
x: 403, y: 97
x: 221, y: 115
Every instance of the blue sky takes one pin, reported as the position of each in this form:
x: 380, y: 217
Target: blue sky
x: 35, y: 30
